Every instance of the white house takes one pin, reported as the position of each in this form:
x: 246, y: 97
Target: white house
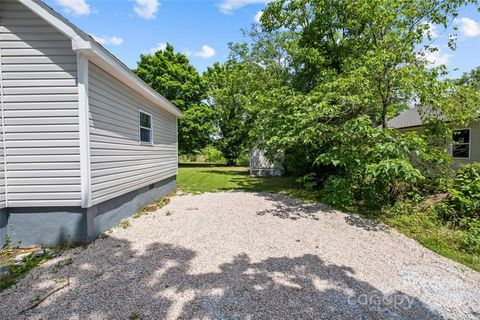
x: 84, y: 143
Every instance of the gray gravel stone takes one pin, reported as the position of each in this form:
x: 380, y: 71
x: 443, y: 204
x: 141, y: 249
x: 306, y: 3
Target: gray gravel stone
x: 238, y: 257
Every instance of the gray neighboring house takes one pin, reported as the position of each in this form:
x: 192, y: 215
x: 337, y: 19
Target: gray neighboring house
x: 84, y: 143
x: 466, y: 146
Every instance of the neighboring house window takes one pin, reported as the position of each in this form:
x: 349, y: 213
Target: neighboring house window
x: 145, y: 127
x: 461, y: 143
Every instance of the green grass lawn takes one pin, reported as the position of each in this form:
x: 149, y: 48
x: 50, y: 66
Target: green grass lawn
x: 201, y: 177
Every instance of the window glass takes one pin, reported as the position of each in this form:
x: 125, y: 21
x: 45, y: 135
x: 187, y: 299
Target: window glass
x: 461, y: 143
x: 461, y: 136
x: 145, y: 135
x: 145, y: 127
x: 460, y: 151
x: 145, y: 120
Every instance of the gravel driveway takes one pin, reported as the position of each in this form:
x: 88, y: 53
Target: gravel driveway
x: 247, y: 256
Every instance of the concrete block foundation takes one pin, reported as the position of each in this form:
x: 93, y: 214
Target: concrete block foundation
x: 58, y: 226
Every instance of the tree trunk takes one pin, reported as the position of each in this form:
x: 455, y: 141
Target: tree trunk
x: 385, y: 104
x: 384, y: 115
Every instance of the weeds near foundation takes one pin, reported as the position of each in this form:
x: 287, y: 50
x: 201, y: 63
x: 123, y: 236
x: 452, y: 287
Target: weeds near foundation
x: 19, y: 270
x: 124, y: 224
x: 168, y: 213
x: 144, y: 211
x: 7, y: 244
x: 103, y: 235
x: 162, y: 202
x: 139, y: 213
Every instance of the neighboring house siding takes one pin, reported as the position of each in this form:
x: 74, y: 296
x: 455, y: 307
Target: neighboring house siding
x: 119, y: 163
x: 39, y: 72
x: 474, y: 144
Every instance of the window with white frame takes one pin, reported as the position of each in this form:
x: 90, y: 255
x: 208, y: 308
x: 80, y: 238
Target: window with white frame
x: 461, y: 143
x: 145, y: 122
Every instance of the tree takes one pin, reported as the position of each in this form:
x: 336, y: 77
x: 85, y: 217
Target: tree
x: 470, y: 79
x: 228, y: 101
x: 328, y: 74
x: 366, y: 51
x: 172, y: 75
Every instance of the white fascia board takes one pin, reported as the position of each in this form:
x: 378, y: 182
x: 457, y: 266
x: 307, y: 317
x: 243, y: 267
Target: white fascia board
x: 107, y: 61
x: 84, y: 44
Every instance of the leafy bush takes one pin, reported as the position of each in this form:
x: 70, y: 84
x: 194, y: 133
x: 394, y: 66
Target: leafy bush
x: 464, y: 193
x: 244, y: 159
x: 462, y: 204
x: 461, y: 207
x: 471, y: 240
x: 307, y: 181
x: 338, y: 191
x: 377, y: 167
x: 212, y: 154
x: 187, y: 157
x: 444, y: 211
x: 300, y: 161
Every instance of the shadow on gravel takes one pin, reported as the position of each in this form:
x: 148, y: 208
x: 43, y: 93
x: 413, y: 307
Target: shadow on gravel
x: 364, y: 223
x: 113, y: 281
x: 286, y: 207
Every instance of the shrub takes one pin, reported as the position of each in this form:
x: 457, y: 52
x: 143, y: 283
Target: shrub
x: 471, y: 240
x: 463, y: 200
x: 465, y: 192
x: 243, y: 159
x: 212, y: 154
x: 339, y: 192
x: 377, y: 167
x: 307, y: 181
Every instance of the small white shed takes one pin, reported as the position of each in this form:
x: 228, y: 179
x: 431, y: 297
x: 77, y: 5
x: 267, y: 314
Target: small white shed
x: 261, y: 166
x: 84, y: 143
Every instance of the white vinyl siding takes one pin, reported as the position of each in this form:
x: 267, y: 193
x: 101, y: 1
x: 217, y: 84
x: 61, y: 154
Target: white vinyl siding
x: 119, y: 162
x: 39, y: 71
x: 2, y: 168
